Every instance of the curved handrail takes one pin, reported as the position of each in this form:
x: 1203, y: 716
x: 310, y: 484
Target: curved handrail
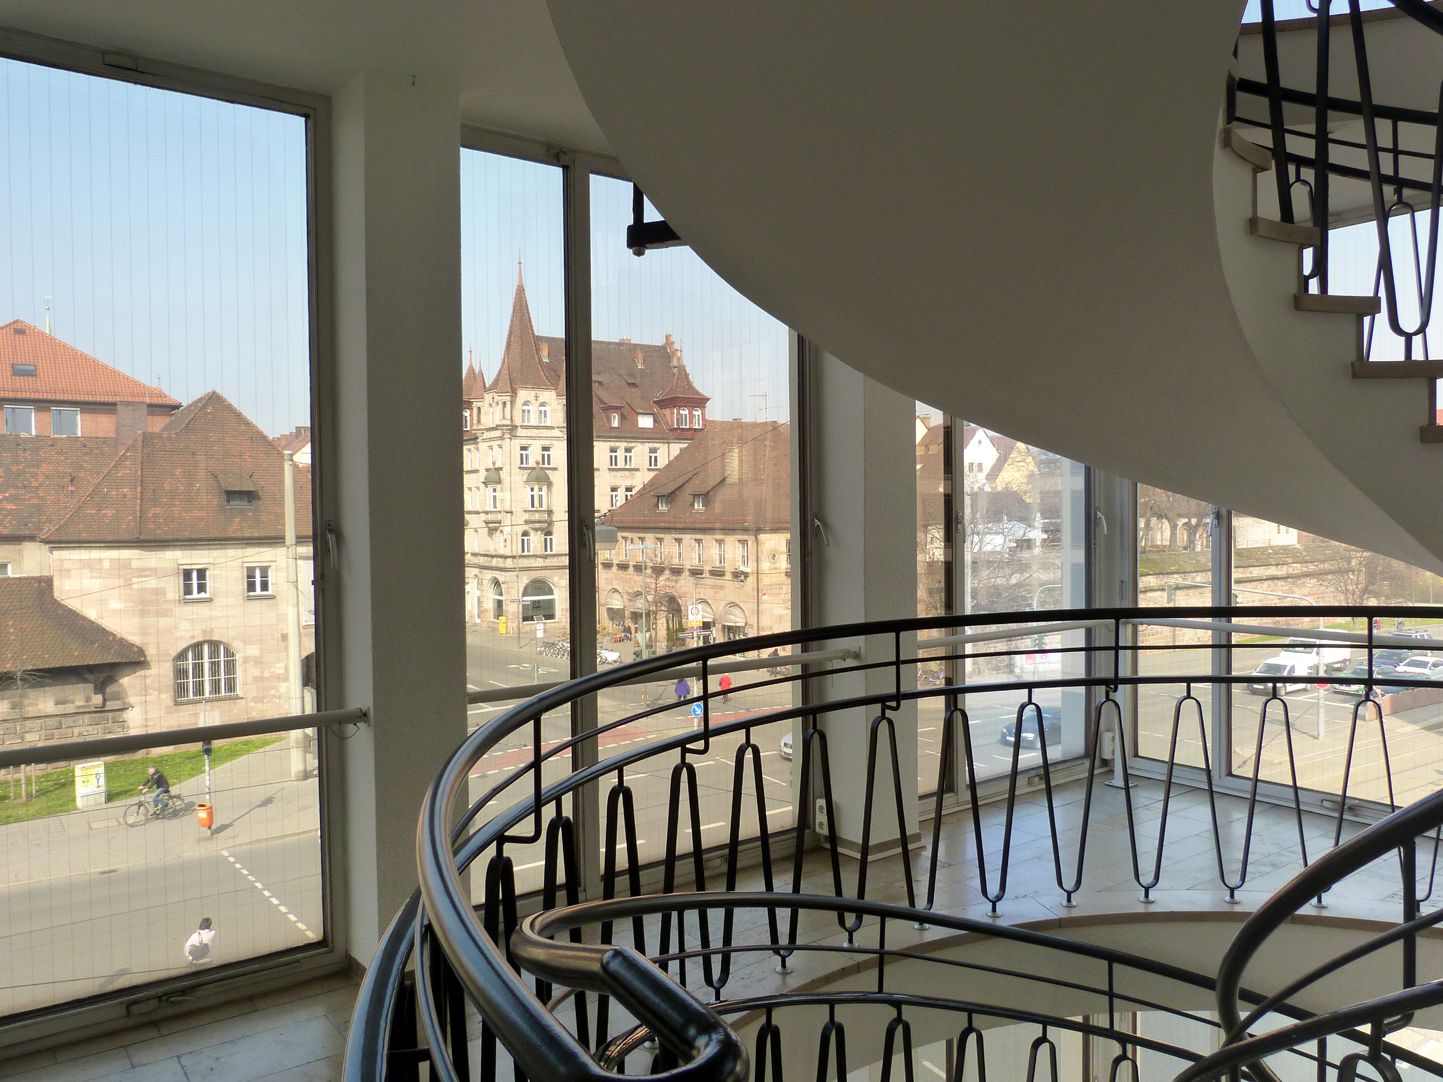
x: 1400, y: 828
x: 440, y: 912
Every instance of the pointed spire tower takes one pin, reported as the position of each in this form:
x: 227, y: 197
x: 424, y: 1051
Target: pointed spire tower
x: 521, y: 357
x: 682, y: 404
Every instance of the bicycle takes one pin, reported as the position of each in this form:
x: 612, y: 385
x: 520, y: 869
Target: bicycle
x: 142, y: 811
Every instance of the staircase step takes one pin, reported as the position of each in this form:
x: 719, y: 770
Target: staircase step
x: 1288, y: 232
x: 1431, y: 433
x: 1336, y: 304
x: 1398, y: 369
x: 1258, y: 157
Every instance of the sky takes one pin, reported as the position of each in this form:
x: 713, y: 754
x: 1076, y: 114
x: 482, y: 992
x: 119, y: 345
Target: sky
x: 166, y: 234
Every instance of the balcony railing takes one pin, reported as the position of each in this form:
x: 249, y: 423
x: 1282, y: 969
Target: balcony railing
x: 843, y: 880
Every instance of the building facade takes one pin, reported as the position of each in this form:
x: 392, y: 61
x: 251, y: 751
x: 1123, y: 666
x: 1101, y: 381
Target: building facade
x: 645, y: 409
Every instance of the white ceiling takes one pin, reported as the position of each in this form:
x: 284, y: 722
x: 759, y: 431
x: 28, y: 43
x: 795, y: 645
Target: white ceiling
x: 502, y: 53
x: 1003, y: 210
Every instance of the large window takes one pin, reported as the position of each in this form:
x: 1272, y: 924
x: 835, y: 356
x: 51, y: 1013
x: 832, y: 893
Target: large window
x: 156, y: 282
x: 673, y: 348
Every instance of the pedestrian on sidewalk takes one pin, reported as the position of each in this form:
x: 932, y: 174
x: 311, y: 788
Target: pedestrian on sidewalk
x: 199, y: 948
x: 725, y: 685
x: 682, y: 689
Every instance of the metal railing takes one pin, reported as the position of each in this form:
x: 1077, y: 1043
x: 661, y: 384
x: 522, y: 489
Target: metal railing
x: 514, y: 785
x: 1403, y: 181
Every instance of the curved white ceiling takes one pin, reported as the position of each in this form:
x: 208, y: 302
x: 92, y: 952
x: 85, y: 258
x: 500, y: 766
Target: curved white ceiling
x: 1003, y: 213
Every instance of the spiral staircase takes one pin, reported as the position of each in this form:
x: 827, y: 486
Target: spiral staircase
x: 547, y: 940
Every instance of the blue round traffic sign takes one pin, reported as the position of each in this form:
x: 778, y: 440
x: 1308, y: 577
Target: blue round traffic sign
x: 696, y: 710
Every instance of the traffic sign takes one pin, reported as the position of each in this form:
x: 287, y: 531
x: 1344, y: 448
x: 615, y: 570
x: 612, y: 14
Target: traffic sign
x: 1320, y: 686
x: 694, y: 611
x: 696, y: 710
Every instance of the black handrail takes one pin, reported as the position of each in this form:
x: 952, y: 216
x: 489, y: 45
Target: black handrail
x: 1402, y: 828
x: 466, y: 951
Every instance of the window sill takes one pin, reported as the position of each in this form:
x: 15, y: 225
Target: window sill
x: 259, y: 597
x: 193, y: 600
x: 207, y: 699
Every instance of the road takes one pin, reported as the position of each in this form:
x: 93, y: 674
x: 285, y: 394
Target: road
x: 75, y: 935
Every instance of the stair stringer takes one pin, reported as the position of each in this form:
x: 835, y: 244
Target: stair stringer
x: 1367, y: 431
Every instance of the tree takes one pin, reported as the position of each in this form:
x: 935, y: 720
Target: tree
x: 1185, y: 517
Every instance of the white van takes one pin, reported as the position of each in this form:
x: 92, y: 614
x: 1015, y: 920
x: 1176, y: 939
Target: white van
x: 1286, y: 672
x: 1326, y: 656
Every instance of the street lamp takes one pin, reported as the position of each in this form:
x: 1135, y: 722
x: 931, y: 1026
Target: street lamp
x: 644, y: 633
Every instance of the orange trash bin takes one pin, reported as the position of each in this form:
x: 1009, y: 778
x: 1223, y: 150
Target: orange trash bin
x: 205, y: 815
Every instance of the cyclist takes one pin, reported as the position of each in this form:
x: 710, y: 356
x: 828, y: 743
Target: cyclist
x: 154, y: 779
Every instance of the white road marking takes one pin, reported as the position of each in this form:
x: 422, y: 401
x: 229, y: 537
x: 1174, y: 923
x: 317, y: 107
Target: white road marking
x: 261, y: 887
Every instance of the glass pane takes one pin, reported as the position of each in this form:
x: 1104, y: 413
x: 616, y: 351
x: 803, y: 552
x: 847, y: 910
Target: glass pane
x: 1174, y: 568
x: 1275, y: 564
x: 1025, y: 522
x: 124, y: 877
x: 693, y: 497
x: 156, y: 287
x: 934, y: 568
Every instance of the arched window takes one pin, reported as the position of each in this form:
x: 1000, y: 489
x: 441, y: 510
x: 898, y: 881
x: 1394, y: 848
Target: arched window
x: 548, y: 542
x: 734, y: 621
x: 526, y: 413
x: 498, y: 600
x: 525, y: 542
x: 696, y: 418
x: 543, y: 413
x: 206, y: 670
x: 538, y: 601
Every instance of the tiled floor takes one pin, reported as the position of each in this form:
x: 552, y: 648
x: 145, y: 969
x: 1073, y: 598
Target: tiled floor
x: 298, y: 1034
x: 295, y: 1035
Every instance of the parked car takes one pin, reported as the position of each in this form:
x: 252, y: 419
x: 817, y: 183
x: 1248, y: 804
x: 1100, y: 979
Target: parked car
x: 1286, y: 673
x: 1422, y: 667
x: 1356, y: 675
x: 1326, y: 656
x: 784, y: 748
x: 1051, y: 726
x: 1391, y: 658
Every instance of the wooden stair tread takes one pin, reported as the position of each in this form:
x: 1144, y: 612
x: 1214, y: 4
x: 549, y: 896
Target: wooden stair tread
x: 1287, y: 232
x: 1258, y: 157
x: 1397, y: 369
x: 1336, y: 304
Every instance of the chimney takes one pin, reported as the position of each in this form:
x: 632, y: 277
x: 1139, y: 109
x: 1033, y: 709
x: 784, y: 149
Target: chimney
x: 130, y: 421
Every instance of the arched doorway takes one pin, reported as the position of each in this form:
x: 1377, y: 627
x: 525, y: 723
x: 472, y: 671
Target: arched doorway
x: 538, y: 601
x: 673, y: 619
x: 615, y: 609
x: 734, y: 622
x: 703, y: 622
x: 498, y: 600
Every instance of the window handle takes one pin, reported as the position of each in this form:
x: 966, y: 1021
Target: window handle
x: 821, y: 528
x: 333, y: 545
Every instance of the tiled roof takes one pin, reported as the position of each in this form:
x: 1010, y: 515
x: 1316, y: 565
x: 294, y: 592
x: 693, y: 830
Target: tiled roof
x: 171, y: 485
x: 297, y: 440
x: 742, y: 468
x: 520, y: 358
x: 628, y: 378
x: 41, y: 480
x: 63, y: 373
x: 38, y: 632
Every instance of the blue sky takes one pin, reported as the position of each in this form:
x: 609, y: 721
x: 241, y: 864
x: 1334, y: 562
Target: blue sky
x: 167, y: 233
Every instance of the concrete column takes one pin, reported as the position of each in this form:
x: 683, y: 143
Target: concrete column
x: 864, y: 567
x: 394, y: 475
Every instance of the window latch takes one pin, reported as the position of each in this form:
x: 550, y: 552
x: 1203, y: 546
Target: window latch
x: 333, y: 545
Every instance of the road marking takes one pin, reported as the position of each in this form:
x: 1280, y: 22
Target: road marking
x: 934, y: 1069
x: 261, y: 887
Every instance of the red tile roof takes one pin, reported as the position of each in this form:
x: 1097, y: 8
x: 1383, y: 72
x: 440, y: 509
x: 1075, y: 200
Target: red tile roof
x: 742, y: 468
x: 297, y: 440
x: 171, y: 485
x: 520, y: 358
x: 63, y: 373
x: 41, y: 480
x: 38, y: 632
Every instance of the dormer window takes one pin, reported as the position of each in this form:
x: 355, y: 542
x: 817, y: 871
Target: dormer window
x: 645, y: 420
x: 663, y: 503
x: 616, y: 420
x: 19, y: 369
x: 240, y: 497
x: 696, y: 418
x: 682, y: 418
x: 698, y: 501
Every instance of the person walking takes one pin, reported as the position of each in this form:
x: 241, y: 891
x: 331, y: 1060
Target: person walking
x: 682, y: 689
x: 725, y: 686
x: 200, y: 947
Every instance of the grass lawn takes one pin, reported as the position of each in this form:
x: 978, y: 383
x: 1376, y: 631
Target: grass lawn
x: 55, y: 789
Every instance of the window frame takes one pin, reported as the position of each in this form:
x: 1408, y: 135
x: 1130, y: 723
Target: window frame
x: 16, y: 409
x: 195, y: 582
x: 69, y: 411
x: 200, y: 671
x: 269, y: 590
